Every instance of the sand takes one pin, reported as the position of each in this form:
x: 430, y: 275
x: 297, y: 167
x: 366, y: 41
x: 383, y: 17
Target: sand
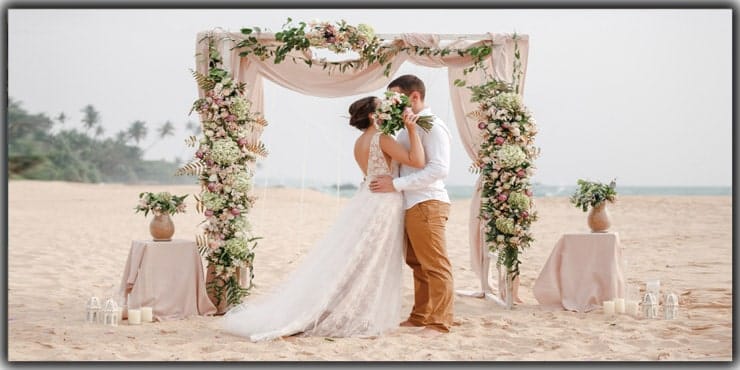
x: 70, y: 241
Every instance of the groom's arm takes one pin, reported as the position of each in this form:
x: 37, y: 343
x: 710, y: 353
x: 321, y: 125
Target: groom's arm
x: 437, y: 151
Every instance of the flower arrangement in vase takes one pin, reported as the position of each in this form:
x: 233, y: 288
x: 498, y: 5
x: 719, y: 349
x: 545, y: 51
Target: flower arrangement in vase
x: 595, y: 195
x: 163, y: 205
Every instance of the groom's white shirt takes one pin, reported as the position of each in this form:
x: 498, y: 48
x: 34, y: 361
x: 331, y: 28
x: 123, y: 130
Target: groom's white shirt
x: 422, y: 184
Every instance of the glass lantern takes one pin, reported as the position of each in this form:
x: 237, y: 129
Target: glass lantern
x: 670, y: 306
x: 93, y: 310
x: 111, y: 313
x: 650, y: 306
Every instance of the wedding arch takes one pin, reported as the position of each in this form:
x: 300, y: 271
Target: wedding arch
x: 486, y: 80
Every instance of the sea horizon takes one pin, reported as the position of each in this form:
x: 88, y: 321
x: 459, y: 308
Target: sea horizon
x: 540, y: 190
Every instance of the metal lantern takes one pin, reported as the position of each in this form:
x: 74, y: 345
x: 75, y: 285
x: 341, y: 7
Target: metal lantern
x: 670, y: 308
x: 650, y: 306
x: 111, y: 313
x: 93, y: 310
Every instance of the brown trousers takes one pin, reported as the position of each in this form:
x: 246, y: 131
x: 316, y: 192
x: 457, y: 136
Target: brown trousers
x: 426, y: 254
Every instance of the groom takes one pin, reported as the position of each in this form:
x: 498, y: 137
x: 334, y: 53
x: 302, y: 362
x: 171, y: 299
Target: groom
x: 427, y: 209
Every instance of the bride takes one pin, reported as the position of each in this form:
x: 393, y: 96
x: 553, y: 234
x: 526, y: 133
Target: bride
x: 349, y: 283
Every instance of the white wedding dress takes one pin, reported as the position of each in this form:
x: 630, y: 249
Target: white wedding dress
x: 349, y: 283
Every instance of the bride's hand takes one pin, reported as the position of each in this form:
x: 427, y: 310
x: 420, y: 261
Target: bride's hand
x: 409, y: 119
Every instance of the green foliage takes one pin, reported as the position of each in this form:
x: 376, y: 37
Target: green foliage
x: 593, y: 193
x: 35, y: 153
x: 360, y: 39
x: 162, y: 202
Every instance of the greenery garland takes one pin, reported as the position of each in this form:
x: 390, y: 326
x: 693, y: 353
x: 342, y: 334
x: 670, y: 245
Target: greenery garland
x: 505, y: 158
x: 341, y: 37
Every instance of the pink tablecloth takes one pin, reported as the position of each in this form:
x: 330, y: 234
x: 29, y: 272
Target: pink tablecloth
x: 583, y: 271
x: 167, y: 276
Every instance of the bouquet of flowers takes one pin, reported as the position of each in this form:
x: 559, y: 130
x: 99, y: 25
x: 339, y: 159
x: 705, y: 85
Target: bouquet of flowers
x: 160, y: 203
x: 389, y: 114
x: 593, y: 193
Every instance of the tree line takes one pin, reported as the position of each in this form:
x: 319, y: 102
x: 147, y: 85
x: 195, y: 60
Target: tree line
x: 37, y: 151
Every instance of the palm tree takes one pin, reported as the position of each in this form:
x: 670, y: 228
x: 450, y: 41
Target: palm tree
x: 62, y: 118
x: 121, y: 136
x: 167, y: 129
x: 91, y: 118
x: 193, y: 127
x: 99, y: 131
x: 137, y: 131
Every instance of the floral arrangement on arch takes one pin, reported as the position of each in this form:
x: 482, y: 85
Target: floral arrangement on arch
x: 222, y: 164
x: 340, y: 37
x: 505, y: 162
x: 160, y: 203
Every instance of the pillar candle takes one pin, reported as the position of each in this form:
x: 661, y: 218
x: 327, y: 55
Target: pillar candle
x: 619, y: 305
x: 134, y: 316
x: 631, y: 308
x: 609, y: 307
x: 146, y: 314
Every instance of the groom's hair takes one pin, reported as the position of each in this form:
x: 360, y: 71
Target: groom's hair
x: 408, y: 84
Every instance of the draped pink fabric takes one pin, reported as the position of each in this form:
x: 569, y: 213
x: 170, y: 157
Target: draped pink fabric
x: 582, y: 272
x: 316, y: 81
x: 167, y: 276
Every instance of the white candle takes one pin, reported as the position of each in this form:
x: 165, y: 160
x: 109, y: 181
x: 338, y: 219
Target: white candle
x: 134, y: 316
x: 619, y: 305
x: 609, y: 307
x: 146, y: 314
x: 631, y: 308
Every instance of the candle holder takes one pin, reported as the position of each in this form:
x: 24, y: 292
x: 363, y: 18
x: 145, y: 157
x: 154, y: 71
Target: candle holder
x: 93, y: 310
x: 650, y: 306
x: 670, y: 306
x: 111, y: 313
x: 653, y: 286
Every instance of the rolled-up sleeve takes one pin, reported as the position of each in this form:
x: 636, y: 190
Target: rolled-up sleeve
x: 436, y: 145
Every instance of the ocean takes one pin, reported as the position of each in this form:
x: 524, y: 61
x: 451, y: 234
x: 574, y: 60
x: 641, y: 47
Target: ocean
x: 540, y: 190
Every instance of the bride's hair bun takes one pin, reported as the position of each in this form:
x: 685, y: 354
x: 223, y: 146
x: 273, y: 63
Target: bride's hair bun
x: 359, y: 112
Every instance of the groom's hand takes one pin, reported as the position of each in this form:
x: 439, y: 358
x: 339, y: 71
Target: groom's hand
x: 382, y: 184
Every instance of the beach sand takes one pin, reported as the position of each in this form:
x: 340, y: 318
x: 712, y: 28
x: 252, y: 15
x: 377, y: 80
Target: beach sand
x: 70, y: 241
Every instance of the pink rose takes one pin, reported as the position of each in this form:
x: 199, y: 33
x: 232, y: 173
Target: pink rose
x: 235, y: 211
x: 498, y: 140
x: 231, y: 118
x: 199, y: 154
x: 208, y: 213
x: 482, y: 125
x: 528, y: 192
x: 222, y: 236
x: 521, y: 172
x: 242, y: 141
x: 502, y: 197
x: 525, y: 214
x: 212, y: 186
x: 505, y: 125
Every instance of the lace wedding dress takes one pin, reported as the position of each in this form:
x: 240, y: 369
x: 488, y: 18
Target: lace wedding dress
x: 349, y: 283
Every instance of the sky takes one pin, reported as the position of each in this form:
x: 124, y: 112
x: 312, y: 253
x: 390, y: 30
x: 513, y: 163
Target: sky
x: 643, y: 96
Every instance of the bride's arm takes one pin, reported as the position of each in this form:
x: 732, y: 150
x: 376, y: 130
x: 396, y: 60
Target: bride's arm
x: 413, y: 157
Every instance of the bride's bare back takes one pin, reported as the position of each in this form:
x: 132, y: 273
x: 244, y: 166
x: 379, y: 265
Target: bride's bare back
x: 362, y: 151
